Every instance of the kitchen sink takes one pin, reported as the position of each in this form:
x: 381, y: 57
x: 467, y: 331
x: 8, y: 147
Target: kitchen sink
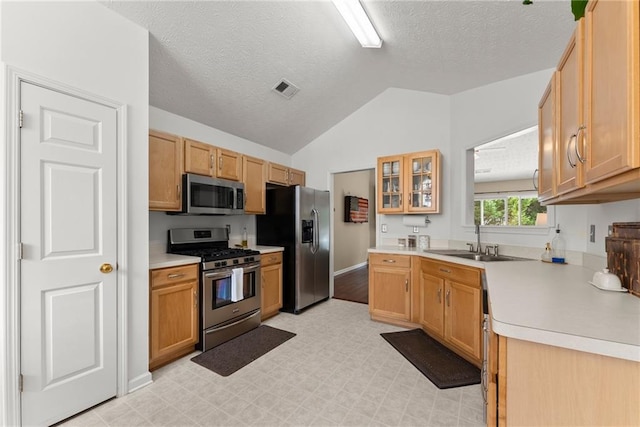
x: 461, y: 253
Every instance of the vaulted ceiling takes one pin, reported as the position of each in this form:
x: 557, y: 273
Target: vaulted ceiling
x: 216, y: 62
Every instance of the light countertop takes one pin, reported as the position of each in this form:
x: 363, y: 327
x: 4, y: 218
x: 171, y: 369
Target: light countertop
x: 267, y: 249
x: 554, y: 304
x: 163, y: 260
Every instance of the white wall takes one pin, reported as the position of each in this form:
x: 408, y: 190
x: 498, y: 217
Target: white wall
x: 396, y: 121
x: 485, y: 113
x: 399, y: 121
x: 87, y: 46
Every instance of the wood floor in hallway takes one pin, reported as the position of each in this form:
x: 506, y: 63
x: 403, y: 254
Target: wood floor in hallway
x: 352, y: 285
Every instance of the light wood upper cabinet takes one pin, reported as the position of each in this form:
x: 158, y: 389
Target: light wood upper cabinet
x: 165, y: 171
x: 391, y: 178
x: 284, y: 175
x: 296, y: 177
x: 229, y: 164
x: 423, y: 182
x: 547, y: 142
x: 612, y: 88
x: 173, y: 313
x: 569, y: 115
x: 409, y: 183
x: 254, y: 179
x: 598, y: 108
x: 199, y: 158
x: 205, y: 159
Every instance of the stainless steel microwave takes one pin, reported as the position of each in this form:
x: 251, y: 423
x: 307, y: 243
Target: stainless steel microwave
x: 202, y: 195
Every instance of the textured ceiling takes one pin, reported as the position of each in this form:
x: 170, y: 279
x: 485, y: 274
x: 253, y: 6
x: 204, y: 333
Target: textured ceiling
x: 511, y: 157
x: 215, y: 62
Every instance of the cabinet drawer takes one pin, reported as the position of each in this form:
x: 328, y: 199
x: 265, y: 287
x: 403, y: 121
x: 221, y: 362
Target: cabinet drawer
x: 166, y: 276
x: 455, y: 272
x: 271, y: 258
x: 390, y: 260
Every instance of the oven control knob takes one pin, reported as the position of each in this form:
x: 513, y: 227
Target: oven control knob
x: 235, y: 261
x: 217, y: 264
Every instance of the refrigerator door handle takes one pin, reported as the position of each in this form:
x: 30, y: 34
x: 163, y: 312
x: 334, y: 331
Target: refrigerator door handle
x: 316, y: 232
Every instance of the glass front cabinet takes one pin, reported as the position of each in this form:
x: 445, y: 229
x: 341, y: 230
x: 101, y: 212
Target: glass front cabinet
x: 409, y: 183
x: 390, y: 184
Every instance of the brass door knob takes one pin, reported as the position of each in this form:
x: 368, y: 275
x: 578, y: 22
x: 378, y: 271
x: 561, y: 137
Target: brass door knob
x: 106, y: 268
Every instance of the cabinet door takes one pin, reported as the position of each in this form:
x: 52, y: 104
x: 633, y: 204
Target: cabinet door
x: 423, y: 170
x: 229, y: 164
x: 463, y: 318
x: 296, y: 177
x: 277, y: 174
x: 165, y: 171
x: 612, y: 88
x: 174, y: 318
x: 199, y: 158
x: 271, y: 277
x: 254, y: 178
x: 390, y: 184
x: 390, y: 292
x: 547, y: 141
x: 569, y: 114
x: 431, y: 297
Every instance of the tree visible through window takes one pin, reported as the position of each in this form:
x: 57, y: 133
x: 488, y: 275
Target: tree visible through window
x: 507, y: 211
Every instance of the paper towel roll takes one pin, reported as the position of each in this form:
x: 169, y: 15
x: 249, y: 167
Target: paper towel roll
x: 415, y: 220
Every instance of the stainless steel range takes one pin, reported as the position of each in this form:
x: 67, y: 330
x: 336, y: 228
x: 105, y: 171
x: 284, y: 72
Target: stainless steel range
x: 229, y: 283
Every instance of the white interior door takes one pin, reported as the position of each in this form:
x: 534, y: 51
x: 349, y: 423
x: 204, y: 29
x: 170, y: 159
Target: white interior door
x: 68, y: 329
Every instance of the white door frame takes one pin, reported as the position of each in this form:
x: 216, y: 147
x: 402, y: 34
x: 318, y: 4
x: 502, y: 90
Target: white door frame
x: 10, y: 295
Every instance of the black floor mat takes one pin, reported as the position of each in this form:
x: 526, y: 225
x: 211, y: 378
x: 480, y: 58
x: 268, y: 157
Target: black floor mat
x: 442, y: 366
x: 232, y: 355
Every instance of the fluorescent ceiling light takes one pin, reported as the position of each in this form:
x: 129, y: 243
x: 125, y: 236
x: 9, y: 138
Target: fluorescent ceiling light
x: 357, y: 19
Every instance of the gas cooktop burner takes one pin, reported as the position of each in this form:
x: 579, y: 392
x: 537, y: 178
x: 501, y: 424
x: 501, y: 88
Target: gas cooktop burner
x: 218, y: 254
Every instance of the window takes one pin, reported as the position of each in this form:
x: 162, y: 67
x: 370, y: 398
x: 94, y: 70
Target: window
x: 509, y: 210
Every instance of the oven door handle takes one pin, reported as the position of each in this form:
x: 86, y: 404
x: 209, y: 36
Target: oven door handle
x: 244, y: 319
x: 228, y: 271
x: 218, y: 274
x: 251, y: 267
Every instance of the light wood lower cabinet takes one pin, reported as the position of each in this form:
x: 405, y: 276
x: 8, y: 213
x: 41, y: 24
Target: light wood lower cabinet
x: 390, y: 288
x: 449, y: 306
x: 173, y: 313
x: 271, y: 284
x: 543, y: 385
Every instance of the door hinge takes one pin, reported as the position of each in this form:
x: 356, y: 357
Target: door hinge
x: 20, y: 119
x: 21, y: 383
x: 20, y: 250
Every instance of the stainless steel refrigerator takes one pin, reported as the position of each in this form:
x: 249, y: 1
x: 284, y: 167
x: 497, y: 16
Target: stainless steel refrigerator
x: 297, y: 218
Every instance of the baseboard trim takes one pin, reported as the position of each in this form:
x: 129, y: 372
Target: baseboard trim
x: 346, y: 270
x: 140, y: 381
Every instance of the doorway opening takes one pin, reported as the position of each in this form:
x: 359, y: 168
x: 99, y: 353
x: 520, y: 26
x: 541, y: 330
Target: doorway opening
x: 353, y: 237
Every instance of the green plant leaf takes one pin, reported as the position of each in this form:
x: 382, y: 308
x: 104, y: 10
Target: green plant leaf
x: 578, y: 7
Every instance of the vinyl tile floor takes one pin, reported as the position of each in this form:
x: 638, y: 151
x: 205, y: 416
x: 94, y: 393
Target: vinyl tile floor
x: 337, y: 371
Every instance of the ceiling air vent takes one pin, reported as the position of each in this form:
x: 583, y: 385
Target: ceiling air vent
x: 285, y: 88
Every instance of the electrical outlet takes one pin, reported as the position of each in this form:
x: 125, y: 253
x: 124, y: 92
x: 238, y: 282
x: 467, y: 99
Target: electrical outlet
x: 228, y: 229
x: 592, y: 233
x: 383, y: 228
x: 610, y: 230
x: 416, y: 230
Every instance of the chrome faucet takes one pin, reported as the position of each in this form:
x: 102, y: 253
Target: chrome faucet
x: 478, y: 248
